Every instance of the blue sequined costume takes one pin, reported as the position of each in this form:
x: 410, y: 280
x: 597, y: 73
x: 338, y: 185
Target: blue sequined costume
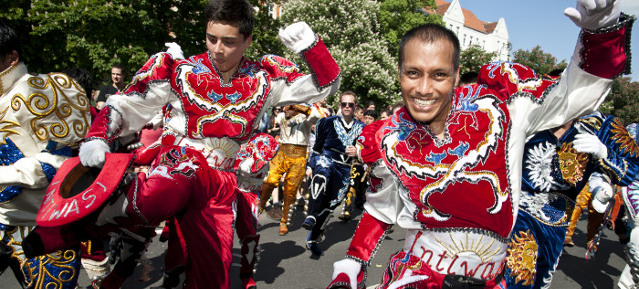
x: 553, y: 174
x: 331, y: 169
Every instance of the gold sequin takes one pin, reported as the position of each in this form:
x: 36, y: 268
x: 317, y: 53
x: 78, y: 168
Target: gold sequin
x: 572, y: 163
x: 522, y: 258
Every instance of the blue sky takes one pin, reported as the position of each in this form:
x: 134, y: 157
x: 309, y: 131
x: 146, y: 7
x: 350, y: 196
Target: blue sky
x: 543, y: 23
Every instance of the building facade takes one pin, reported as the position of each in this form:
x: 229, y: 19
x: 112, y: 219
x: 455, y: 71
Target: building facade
x: 490, y: 36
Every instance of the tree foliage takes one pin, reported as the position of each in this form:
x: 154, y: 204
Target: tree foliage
x: 623, y: 100
x: 474, y: 57
x: 94, y: 34
x: 367, y: 67
x: 265, y: 33
x: 538, y: 60
x: 396, y: 17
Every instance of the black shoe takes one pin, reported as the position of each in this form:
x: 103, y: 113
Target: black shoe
x: 309, y: 223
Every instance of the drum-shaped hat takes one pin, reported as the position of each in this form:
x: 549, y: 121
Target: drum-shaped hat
x: 77, y: 191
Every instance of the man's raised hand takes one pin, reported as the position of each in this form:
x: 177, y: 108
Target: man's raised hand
x: 297, y: 36
x: 594, y: 14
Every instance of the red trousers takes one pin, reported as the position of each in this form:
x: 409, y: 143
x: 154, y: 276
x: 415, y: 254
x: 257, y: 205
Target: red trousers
x: 181, y: 184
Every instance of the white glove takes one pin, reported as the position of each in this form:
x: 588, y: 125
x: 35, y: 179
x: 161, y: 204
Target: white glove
x: 245, y: 167
x: 175, y: 50
x: 602, y: 191
x: 350, y: 268
x: 594, y: 14
x: 297, y: 36
x: 590, y: 144
x: 92, y: 153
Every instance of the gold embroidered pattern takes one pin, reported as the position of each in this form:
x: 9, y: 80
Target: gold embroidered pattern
x: 6, y: 126
x: 522, y: 257
x: 54, y: 116
x: 471, y: 245
x: 59, y: 270
x: 572, y: 164
x: 593, y: 122
x: 47, y: 271
x: 623, y: 138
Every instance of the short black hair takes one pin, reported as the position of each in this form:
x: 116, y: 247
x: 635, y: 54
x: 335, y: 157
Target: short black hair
x: 117, y: 65
x: 372, y: 113
x: 9, y: 40
x: 238, y: 12
x: 429, y: 33
x: 468, y: 78
x: 82, y: 77
x: 556, y: 72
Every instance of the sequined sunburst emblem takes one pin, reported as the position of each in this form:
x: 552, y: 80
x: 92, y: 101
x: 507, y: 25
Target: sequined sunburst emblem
x: 522, y: 257
x: 623, y: 138
x: 572, y: 164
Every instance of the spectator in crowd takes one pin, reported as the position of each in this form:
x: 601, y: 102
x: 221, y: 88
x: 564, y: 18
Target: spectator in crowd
x: 117, y: 84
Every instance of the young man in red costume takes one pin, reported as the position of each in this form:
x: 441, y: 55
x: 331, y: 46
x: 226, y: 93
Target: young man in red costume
x: 455, y: 155
x: 212, y: 102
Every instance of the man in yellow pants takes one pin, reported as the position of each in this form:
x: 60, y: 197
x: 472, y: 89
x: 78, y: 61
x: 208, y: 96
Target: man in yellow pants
x: 295, y: 128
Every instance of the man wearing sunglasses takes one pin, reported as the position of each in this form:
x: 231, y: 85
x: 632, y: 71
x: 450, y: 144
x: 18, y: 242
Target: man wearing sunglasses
x: 330, y: 162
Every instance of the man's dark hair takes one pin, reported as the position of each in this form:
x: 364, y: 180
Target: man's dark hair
x: 238, y: 12
x: 556, y: 72
x: 371, y: 113
x: 430, y: 33
x: 9, y: 40
x: 82, y: 77
x: 119, y: 66
x: 468, y: 78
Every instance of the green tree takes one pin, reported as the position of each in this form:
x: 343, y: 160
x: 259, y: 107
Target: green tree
x: 396, y: 17
x: 538, y: 60
x: 265, y: 33
x: 473, y: 57
x: 623, y: 100
x: 95, y: 34
x: 351, y: 31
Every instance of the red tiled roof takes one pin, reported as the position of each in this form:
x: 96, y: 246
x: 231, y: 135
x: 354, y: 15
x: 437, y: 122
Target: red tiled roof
x: 470, y: 20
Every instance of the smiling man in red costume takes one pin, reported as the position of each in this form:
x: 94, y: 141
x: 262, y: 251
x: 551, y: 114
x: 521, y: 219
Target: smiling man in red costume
x: 211, y: 103
x: 454, y: 156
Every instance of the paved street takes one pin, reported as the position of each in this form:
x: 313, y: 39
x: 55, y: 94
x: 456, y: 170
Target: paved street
x: 286, y: 264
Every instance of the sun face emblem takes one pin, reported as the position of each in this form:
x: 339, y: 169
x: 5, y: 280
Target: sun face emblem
x: 572, y: 164
x: 522, y: 258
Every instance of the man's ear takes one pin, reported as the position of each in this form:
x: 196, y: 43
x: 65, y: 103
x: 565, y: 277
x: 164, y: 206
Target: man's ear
x: 14, y: 57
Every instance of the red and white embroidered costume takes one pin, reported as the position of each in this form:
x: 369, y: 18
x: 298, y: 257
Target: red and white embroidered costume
x: 457, y: 196
x: 206, y: 121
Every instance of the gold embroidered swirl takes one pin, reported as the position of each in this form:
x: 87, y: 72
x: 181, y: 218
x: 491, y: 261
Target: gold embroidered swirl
x: 54, y: 115
x: 63, y: 269
x: 6, y: 126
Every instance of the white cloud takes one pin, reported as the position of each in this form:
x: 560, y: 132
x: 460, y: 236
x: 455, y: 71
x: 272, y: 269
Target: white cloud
x: 630, y: 7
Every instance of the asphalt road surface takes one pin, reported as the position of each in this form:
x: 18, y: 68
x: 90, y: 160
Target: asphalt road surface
x: 287, y: 264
